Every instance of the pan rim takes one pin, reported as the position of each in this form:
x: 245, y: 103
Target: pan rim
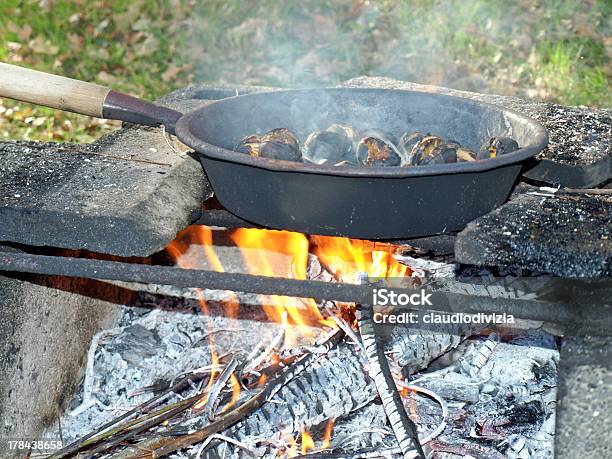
x: 184, y: 132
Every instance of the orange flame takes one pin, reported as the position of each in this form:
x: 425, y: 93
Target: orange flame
x: 178, y: 249
x: 274, y: 253
x: 257, y: 248
x: 346, y: 257
x: 327, y: 434
x: 307, y: 442
x: 235, y: 393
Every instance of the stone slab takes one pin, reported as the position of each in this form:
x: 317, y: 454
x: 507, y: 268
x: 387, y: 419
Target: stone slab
x: 46, y: 325
x: 584, y: 407
x: 568, y: 236
x: 85, y: 197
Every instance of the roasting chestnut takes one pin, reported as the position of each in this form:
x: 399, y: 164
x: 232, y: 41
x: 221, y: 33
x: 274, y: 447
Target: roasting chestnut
x: 345, y: 130
x: 329, y: 147
x: 497, y: 146
x: 424, y: 148
x: 443, y: 154
x: 280, y: 143
x: 249, y: 145
x: 406, y: 144
x: 375, y: 151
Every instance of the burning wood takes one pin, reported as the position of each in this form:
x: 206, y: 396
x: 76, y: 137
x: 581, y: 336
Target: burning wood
x: 301, y: 389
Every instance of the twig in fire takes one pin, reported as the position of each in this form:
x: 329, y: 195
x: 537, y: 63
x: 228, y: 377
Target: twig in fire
x: 346, y: 327
x: 212, y: 398
x: 166, y: 443
x: 130, y: 423
x: 237, y: 443
x: 256, y: 357
x: 404, y: 429
x: 440, y: 428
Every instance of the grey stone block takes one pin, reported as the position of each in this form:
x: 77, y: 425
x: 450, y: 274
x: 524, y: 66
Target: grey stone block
x: 46, y: 326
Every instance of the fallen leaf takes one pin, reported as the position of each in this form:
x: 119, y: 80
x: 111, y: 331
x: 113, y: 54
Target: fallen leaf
x: 12, y: 27
x: 76, y: 17
x: 172, y: 72
x: 41, y: 46
x: 13, y: 46
x: 25, y: 32
x: 75, y: 42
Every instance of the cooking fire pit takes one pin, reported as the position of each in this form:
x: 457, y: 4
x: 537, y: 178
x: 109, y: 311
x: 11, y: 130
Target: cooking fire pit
x: 263, y: 374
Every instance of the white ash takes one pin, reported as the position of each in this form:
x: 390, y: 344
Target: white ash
x: 366, y: 428
x: 159, y: 345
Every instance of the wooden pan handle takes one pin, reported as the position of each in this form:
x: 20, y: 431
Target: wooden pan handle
x: 81, y: 97
x: 52, y: 90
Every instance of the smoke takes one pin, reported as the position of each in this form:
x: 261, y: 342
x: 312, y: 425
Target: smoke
x: 483, y: 45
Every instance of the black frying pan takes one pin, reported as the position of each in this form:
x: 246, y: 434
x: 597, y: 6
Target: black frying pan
x: 362, y: 202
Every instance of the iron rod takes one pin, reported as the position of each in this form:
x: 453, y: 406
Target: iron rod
x: 444, y: 299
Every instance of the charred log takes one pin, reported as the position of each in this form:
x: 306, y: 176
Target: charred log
x: 331, y: 387
x: 404, y: 429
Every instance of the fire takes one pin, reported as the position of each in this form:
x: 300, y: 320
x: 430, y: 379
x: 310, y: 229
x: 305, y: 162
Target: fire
x: 202, y: 235
x: 261, y: 251
x: 283, y: 254
x: 307, y: 442
x: 235, y: 393
x: 346, y: 257
x: 256, y: 248
x: 327, y: 434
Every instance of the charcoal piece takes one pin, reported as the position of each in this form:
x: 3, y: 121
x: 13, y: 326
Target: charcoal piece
x: 515, y: 366
x: 331, y: 387
x: 506, y: 417
x: 138, y: 343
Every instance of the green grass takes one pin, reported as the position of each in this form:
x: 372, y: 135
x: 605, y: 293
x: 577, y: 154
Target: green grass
x: 566, y: 68
x: 550, y: 50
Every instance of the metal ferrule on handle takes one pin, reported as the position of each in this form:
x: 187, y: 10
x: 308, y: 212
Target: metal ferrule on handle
x: 81, y: 97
